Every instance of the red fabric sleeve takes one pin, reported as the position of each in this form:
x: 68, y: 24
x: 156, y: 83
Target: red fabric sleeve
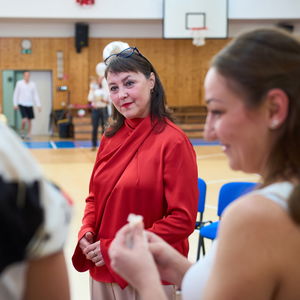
x: 79, y: 260
x: 181, y: 193
x: 166, y: 166
x: 105, y: 244
x: 80, y: 263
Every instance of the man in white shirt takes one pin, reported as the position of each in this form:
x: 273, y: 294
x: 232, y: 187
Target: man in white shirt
x: 99, y: 100
x: 25, y: 97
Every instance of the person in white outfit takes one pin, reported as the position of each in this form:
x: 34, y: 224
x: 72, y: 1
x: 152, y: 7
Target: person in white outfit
x: 34, y: 221
x: 99, y: 100
x: 253, y: 101
x: 25, y: 97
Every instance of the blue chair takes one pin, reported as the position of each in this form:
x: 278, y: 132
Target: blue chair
x: 201, y: 207
x: 201, y: 200
x: 228, y: 193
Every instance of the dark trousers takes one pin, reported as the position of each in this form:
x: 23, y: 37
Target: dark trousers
x: 99, y: 116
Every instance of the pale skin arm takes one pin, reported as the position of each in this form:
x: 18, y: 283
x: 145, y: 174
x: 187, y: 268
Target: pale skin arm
x: 47, y: 279
x: 138, y: 266
x: 246, y: 265
x: 135, y: 263
x: 171, y: 265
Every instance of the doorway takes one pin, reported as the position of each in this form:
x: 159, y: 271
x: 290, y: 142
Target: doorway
x: 43, y: 81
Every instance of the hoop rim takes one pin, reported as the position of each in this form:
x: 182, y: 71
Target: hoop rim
x: 198, y: 28
x: 198, y: 35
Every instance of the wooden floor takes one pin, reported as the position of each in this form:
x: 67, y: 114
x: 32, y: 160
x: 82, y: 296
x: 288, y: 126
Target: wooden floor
x: 71, y: 169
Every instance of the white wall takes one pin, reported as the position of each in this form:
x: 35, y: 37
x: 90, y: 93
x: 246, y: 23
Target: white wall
x: 103, y: 29
x: 69, y: 9
x: 128, y: 19
x: 139, y: 9
x: 264, y: 9
x: 118, y: 29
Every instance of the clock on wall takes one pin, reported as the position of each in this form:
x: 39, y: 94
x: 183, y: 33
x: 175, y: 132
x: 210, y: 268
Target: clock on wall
x: 26, y: 46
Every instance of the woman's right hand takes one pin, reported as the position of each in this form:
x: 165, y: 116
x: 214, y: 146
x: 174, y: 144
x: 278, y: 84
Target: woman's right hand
x: 91, y: 249
x: 170, y: 263
x: 87, y: 240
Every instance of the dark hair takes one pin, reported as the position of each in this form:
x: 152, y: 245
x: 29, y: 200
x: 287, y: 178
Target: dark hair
x: 254, y: 63
x: 138, y: 63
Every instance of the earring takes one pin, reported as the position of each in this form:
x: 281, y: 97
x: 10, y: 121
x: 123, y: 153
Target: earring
x: 274, y: 124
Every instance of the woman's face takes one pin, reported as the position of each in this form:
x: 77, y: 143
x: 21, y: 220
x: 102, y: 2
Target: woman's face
x: 130, y: 93
x: 242, y: 132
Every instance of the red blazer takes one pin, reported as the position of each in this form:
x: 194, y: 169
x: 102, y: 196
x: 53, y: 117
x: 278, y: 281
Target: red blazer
x: 147, y: 168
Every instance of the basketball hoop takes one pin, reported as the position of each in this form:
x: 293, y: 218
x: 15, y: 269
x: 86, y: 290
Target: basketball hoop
x: 198, y: 34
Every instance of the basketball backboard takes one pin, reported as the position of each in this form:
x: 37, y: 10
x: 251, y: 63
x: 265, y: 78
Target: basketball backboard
x: 180, y: 16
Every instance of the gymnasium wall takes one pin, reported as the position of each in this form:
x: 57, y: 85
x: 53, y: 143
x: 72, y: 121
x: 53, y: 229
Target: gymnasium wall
x: 180, y: 65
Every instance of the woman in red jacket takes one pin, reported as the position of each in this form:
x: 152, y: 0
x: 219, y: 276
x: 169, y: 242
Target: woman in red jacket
x: 145, y: 165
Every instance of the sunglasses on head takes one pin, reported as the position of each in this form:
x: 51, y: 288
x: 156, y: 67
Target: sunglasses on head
x: 125, y: 53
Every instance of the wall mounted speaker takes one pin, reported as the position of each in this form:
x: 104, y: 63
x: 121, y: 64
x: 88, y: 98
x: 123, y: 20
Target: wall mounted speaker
x: 81, y: 36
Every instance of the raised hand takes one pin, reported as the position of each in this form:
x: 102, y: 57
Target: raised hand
x: 131, y: 258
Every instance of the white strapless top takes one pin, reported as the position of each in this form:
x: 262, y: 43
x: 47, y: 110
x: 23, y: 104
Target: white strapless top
x: 196, y: 277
